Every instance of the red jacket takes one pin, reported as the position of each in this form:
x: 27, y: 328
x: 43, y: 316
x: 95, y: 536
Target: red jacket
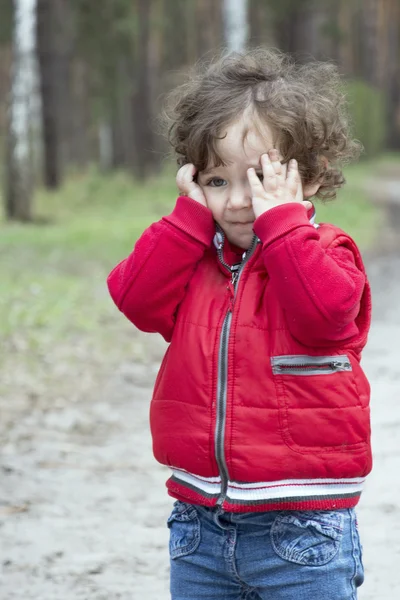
x: 260, y: 402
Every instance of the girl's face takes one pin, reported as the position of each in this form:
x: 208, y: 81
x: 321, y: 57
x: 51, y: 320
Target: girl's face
x: 227, y: 189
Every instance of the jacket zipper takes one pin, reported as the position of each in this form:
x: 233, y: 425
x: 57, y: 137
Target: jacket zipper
x: 222, y: 378
x: 310, y: 365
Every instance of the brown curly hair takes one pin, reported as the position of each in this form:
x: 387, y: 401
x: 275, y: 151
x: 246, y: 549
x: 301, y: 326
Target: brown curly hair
x: 304, y: 104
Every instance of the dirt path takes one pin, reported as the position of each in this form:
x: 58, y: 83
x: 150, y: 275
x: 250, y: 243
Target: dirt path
x: 83, y: 504
x: 379, y: 509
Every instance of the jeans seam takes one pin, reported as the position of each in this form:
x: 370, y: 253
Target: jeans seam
x: 353, y: 547
x: 249, y: 590
x: 231, y: 555
x: 231, y: 561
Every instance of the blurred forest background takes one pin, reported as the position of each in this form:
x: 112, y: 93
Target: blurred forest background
x: 82, y: 82
x: 83, y: 168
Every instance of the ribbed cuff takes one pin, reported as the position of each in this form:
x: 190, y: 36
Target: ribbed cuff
x: 280, y: 220
x: 194, y: 219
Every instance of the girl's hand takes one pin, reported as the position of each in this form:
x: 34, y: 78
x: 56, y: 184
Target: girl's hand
x: 281, y: 184
x: 187, y: 186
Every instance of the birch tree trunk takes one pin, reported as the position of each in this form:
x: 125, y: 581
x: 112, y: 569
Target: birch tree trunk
x: 235, y: 24
x: 18, y: 195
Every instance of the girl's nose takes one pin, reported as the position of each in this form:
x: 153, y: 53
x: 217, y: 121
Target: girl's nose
x: 240, y: 198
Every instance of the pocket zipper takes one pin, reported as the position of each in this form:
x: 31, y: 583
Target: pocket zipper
x: 310, y: 365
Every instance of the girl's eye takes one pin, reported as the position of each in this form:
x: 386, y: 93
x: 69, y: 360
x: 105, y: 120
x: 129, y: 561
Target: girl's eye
x: 216, y: 182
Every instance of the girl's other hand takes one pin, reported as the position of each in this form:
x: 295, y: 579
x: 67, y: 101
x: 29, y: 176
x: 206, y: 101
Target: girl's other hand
x: 281, y: 184
x: 187, y: 186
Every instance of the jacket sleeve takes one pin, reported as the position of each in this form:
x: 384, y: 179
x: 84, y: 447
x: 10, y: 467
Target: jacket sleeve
x: 149, y: 285
x: 320, y: 289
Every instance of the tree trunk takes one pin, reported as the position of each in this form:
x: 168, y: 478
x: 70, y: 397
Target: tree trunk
x: 18, y: 196
x: 370, y: 57
x: 54, y: 57
x: 121, y: 127
x: 78, y: 142
x: 393, y: 74
x: 64, y: 54
x: 307, y: 31
x: 208, y: 26
x: 298, y: 29
x: 141, y: 102
x: 175, y: 19
x: 259, y: 19
x: 235, y: 24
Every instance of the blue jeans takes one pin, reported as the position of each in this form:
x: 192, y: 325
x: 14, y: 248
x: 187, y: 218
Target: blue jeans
x: 278, y: 555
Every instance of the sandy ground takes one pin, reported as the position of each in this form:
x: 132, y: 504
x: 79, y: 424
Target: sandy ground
x: 83, y: 504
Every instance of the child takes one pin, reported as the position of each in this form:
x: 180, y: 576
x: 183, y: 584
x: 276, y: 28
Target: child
x: 260, y: 407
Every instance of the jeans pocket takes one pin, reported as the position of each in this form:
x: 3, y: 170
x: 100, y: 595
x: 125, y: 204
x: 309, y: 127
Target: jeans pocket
x: 309, y: 538
x: 184, y: 526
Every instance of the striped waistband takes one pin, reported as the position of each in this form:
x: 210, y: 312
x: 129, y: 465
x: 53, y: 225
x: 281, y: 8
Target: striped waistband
x: 282, y: 492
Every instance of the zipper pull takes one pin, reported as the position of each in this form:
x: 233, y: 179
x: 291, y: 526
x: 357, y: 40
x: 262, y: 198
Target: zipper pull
x: 231, y: 292
x: 235, y: 273
x: 337, y: 365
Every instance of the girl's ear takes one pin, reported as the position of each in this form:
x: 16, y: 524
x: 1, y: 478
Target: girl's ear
x: 311, y: 189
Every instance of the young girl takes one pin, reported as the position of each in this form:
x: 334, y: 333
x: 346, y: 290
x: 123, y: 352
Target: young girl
x: 260, y: 407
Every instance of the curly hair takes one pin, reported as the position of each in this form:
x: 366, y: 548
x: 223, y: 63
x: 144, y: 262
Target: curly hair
x: 304, y: 105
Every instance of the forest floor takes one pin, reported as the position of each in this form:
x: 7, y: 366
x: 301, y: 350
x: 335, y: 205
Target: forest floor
x: 83, y: 505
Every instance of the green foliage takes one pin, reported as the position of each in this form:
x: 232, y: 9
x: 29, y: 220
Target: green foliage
x: 105, y: 35
x: 368, y: 112
x: 6, y: 17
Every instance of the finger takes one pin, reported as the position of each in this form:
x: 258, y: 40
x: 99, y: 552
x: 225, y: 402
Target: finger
x: 187, y: 186
x: 184, y: 177
x: 293, y: 178
x: 270, y: 181
x: 257, y: 188
x: 275, y: 161
x: 185, y: 174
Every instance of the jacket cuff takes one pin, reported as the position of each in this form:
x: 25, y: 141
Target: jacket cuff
x: 280, y: 220
x: 192, y: 218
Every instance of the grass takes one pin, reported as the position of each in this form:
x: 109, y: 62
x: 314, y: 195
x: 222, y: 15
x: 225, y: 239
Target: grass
x: 53, y: 275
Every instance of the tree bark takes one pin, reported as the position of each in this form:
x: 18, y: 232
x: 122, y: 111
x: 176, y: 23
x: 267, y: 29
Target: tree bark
x: 19, y: 192
x: 370, y: 56
x: 54, y: 58
x: 393, y: 74
x: 257, y: 19
x: 297, y: 29
x: 142, y: 102
x: 208, y: 26
x: 78, y: 142
x: 176, y: 33
x: 123, y: 156
x: 235, y: 14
